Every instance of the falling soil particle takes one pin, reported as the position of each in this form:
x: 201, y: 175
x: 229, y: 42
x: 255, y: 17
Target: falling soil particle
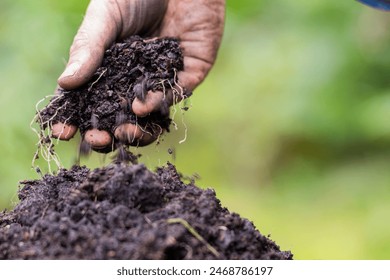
x: 126, y: 212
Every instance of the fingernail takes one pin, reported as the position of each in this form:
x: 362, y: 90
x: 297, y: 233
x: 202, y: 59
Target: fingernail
x: 70, y: 70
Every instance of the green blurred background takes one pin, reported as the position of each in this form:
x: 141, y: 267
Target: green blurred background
x: 291, y: 127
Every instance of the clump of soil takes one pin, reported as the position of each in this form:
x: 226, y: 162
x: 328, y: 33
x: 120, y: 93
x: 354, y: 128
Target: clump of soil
x: 126, y: 212
x: 129, y: 70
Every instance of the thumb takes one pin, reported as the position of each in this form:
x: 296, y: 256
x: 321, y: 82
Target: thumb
x: 98, y: 31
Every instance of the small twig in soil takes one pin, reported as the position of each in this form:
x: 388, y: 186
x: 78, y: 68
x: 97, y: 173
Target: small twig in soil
x: 97, y: 80
x: 194, y: 233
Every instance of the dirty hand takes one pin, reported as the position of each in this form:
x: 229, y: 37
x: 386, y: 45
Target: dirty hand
x: 197, y: 23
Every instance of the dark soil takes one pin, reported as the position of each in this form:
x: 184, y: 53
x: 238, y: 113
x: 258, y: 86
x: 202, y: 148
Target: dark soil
x: 129, y: 69
x: 126, y: 212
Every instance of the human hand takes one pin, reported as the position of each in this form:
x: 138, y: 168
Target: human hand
x: 197, y: 23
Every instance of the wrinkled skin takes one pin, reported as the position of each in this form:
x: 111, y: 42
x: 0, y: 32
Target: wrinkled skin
x: 197, y: 23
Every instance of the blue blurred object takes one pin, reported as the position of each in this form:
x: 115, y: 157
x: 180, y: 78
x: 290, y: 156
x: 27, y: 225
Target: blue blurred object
x: 378, y: 4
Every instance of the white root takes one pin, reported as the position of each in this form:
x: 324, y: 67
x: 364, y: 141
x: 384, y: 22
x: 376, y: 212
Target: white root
x: 97, y: 80
x: 178, y: 97
x: 45, y: 145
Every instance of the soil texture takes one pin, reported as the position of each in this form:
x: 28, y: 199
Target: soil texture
x: 126, y: 212
x: 129, y: 69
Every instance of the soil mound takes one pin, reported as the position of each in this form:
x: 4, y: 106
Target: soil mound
x: 126, y: 212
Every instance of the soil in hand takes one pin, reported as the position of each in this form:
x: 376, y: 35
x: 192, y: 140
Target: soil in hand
x: 129, y: 69
x: 126, y: 212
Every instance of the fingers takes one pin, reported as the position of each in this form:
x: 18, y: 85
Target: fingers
x: 199, y: 25
x: 134, y: 135
x: 63, y: 131
x: 153, y: 102
x: 100, y: 27
x: 127, y: 134
x: 98, y: 139
x: 104, y: 22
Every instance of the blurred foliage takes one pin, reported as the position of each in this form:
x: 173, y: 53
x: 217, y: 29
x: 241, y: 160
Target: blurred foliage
x: 291, y: 127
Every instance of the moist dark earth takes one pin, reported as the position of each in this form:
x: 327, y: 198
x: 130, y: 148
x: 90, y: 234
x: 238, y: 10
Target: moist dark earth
x: 129, y: 69
x: 125, y: 211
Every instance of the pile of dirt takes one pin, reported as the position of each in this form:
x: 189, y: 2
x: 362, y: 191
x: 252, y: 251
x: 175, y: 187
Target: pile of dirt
x: 129, y: 69
x: 126, y: 212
